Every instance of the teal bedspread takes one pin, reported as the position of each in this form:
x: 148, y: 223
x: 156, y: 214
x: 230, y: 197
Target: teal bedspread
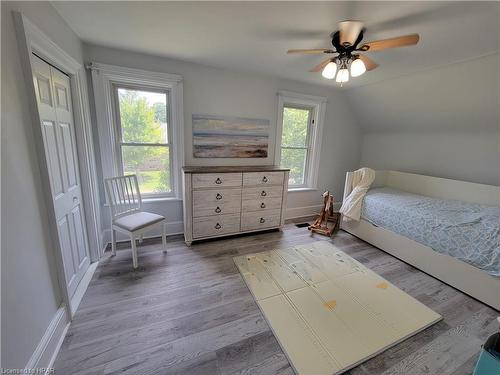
x: 467, y: 231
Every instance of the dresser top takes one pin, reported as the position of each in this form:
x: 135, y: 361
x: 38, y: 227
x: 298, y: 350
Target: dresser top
x: 229, y: 169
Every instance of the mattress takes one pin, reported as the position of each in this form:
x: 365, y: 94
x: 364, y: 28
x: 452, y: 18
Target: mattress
x: 466, y: 231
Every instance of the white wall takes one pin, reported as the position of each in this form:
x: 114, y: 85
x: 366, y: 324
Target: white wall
x: 443, y: 122
x: 210, y: 90
x: 30, y: 291
x: 464, y: 156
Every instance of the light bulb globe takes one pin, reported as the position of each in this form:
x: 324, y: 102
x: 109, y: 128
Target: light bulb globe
x: 329, y: 70
x: 343, y: 75
x: 357, y: 68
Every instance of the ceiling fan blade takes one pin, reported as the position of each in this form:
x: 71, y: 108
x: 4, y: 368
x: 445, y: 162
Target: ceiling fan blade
x: 320, y: 66
x: 311, y: 51
x: 369, y: 63
x: 349, y: 32
x: 400, y: 41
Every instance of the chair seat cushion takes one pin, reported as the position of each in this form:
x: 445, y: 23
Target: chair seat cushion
x: 137, y: 220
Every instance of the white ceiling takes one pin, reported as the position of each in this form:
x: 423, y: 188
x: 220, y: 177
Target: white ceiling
x: 254, y: 36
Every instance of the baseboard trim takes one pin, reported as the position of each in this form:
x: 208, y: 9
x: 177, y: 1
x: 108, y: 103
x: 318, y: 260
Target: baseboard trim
x: 82, y: 287
x: 48, y: 347
x: 296, y: 212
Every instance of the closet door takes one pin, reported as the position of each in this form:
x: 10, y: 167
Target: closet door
x: 53, y: 95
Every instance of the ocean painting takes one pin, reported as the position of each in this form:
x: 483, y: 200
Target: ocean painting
x: 229, y: 137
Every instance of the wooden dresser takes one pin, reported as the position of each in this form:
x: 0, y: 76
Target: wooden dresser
x: 221, y: 201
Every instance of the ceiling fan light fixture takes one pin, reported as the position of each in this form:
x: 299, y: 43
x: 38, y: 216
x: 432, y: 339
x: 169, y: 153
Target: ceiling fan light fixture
x: 329, y: 70
x: 357, y: 67
x: 343, y: 76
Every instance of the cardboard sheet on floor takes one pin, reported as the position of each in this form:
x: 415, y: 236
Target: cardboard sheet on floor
x: 328, y: 311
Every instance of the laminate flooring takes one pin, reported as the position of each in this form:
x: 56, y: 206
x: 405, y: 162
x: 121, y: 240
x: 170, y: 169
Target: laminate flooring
x: 190, y: 312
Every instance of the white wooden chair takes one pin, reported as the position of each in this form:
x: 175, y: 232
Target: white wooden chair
x: 127, y: 216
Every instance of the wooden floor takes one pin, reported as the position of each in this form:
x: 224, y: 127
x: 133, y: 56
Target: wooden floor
x: 190, y: 312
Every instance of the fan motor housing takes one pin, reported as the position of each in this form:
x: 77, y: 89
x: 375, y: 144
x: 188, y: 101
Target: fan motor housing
x: 347, y: 50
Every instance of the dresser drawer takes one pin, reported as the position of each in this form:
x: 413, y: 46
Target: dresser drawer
x: 261, y: 204
x: 263, y: 178
x: 208, y: 180
x: 260, y: 220
x: 215, y: 225
x: 257, y: 193
x: 207, y: 198
x: 214, y: 209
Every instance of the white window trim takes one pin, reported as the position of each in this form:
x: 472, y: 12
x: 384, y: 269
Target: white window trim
x: 318, y: 104
x: 104, y: 77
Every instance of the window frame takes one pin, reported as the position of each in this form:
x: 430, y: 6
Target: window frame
x: 104, y: 78
x: 317, y: 107
x: 120, y: 143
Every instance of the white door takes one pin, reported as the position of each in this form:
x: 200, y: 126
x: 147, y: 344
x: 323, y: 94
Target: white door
x: 54, y: 104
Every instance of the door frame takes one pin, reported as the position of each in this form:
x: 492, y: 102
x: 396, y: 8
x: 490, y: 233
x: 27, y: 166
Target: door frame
x: 32, y: 40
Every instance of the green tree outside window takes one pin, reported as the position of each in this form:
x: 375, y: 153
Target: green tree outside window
x: 144, y: 139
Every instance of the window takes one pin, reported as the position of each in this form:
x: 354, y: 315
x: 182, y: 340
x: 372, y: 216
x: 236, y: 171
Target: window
x: 143, y: 138
x: 295, y: 142
x: 299, y: 133
x: 140, y: 127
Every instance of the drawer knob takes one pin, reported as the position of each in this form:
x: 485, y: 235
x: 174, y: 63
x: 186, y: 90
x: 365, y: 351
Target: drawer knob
x: 262, y: 220
x: 218, y: 196
x: 218, y: 181
x: 218, y: 226
x: 218, y: 209
x: 262, y: 205
x: 264, y: 179
x: 263, y: 193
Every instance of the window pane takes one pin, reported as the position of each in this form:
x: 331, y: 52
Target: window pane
x: 294, y: 159
x: 295, y: 125
x: 143, y: 116
x: 151, y: 165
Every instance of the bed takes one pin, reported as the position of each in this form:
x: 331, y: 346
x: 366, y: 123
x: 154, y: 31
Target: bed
x: 428, y: 222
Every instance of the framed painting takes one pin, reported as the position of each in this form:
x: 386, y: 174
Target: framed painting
x: 229, y: 137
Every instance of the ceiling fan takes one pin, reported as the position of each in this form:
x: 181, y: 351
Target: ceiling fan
x: 347, y: 44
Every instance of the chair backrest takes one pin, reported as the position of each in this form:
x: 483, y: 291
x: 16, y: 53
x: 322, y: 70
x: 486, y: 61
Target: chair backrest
x: 123, y: 194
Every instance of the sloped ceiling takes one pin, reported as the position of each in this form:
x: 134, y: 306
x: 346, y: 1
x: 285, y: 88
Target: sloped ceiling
x: 461, y: 97
x: 254, y: 36
x: 440, y: 84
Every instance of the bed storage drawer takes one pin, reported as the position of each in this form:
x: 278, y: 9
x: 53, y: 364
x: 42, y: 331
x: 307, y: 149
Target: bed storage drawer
x: 263, y: 178
x: 216, y: 225
x: 209, y: 180
x: 260, y: 220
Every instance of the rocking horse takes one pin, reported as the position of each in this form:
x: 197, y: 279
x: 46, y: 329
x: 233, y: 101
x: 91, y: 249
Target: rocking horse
x: 320, y: 225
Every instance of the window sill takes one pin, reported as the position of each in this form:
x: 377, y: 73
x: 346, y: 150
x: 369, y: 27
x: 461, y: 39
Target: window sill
x: 148, y: 200
x: 152, y: 200
x: 301, y: 189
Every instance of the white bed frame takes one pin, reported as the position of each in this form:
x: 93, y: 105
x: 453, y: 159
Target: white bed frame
x: 468, y: 279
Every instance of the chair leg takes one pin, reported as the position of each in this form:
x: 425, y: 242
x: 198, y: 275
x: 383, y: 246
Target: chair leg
x: 113, y: 242
x: 164, y: 237
x: 134, y: 250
